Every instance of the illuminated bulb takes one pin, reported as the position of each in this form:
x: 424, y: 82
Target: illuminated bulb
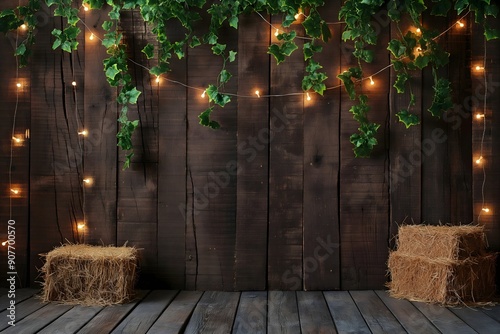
x: 85, y: 8
x: 91, y: 37
x: 17, y: 140
x: 74, y: 83
x: 203, y: 94
x: 276, y: 33
x: 83, y: 133
x: 257, y: 93
x: 371, y: 81
x: 479, y: 160
x: 485, y: 209
x: 24, y: 26
x: 15, y: 191
x: 157, y: 80
x: 4, y: 243
x: 419, y: 49
x: 19, y: 85
x: 460, y: 24
x: 308, y: 97
x: 297, y: 16
x: 80, y: 226
x: 479, y: 116
x: 87, y: 181
x: 479, y: 68
x: 418, y: 31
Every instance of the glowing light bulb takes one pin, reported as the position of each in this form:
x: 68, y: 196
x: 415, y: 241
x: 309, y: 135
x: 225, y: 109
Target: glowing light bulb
x: 5, y: 243
x: 80, y: 226
x: 297, y: 16
x: 87, y: 181
x: 485, y: 209
x: 203, y: 94
x: 19, y: 85
x: 15, y: 191
x: 85, y: 8
x: 91, y: 37
x: 479, y: 116
x: 308, y: 97
x: 83, y: 133
x: 17, y: 140
x: 257, y: 93
x: 460, y: 24
x: 479, y: 68
x: 371, y: 81
x: 24, y: 26
x: 73, y: 83
x: 276, y: 33
x: 157, y: 80
x: 479, y: 160
x: 418, y: 31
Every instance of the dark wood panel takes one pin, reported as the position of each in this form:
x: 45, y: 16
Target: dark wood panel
x: 106, y: 320
x: 345, y: 313
x: 443, y: 319
x: 39, y: 319
x: 376, y: 314
x: 20, y: 295
x: 146, y: 313
x: 286, y: 172
x: 100, y: 151
x: 214, y: 313
x: 477, y: 320
x: 72, y: 321
x: 23, y: 309
x: 253, y: 149
x: 321, y: 256
x: 313, y: 313
x: 251, y: 316
x: 282, y: 312
x: 174, y: 319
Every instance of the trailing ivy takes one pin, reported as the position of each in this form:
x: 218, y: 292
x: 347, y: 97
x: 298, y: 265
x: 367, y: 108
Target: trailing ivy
x: 409, y: 51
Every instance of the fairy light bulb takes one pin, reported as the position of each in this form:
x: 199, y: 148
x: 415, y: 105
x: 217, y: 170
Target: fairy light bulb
x: 15, y: 191
x: 24, y: 26
x: 87, y: 181
x: 17, y: 140
x: 83, y: 133
x: 485, y: 209
x: 479, y: 160
x: 276, y: 33
x: 85, y: 8
x: 5, y: 243
x: 19, y: 85
x: 91, y: 37
x: 460, y: 24
x: 308, y: 97
x: 479, y: 116
x: 297, y: 16
x: 80, y: 226
x: 203, y: 94
x: 371, y: 81
x: 479, y: 68
x: 257, y: 93
x: 418, y: 31
x: 73, y: 83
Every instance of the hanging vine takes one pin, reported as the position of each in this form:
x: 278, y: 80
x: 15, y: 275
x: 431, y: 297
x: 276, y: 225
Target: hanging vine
x: 411, y: 51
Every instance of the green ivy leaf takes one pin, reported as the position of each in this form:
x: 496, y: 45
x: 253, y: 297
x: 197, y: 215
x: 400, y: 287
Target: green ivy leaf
x: 346, y: 78
x: 148, y: 50
x: 275, y: 50
x: 218, y: 49
x: 20, y: 50
x: 309, y: 49
x: 233, y: 22
x: 195, y: 41
x: 216, y: 97
x: 400, y: 82
x: 408, y: 119
x: 204, y: 118
x: 441, y: 7
x: 397, y: 48
x: 112, y: 71
x: 491, y: 33
x: 107, y: 25
x: 422, y: 61
x: 461, y: 5
x: 326, y: 34
x: 312, y: 24
x: 288, y: 47
x: 232, y: 56
x: 442, y: 96
x: 224, y: 76
x: 160, y: 69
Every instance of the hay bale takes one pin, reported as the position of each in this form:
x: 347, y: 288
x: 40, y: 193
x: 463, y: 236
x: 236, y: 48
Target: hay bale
x: 448, y: 242
x: 444, y: 281
x: 89, y: 275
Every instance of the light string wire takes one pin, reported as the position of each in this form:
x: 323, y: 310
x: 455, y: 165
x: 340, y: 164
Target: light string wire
x: 368, y: 77
x: 485, y: 106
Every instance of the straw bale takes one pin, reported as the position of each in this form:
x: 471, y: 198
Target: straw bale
x: 444, y: 281
x: 450, y: 242
x: 89, y: 275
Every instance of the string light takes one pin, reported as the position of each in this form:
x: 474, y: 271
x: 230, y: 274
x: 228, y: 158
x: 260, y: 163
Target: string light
x: 257, y: 93
x: 371, y: 81
x: 479, y: 160
x: 479, y: 68
x: 83, y: 133
x: 88, y: 181
x: 18, y: 141
x: 85, y: 8
x: 308, y: 97
x: 157, y: 80
x: 73, y: 83
x: 24, y: 26
x: 91, y: 36
x: 485, y: 209
x: 80, y: 226
x: 277, y: 32
x: 203, y: 94
x: 15, y: 191
x: 5, y: 243
x: 460, y: 24
x: 19, y: 85
x: 418, y: 31
x: 479, y: 116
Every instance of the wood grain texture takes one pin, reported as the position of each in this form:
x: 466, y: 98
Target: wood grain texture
x: 175, y: 318
x: 214, y: 313
x: 345, y: 313
x: 282, y: 316
x: 286, y: 172
x: 443, y: 319
x: 71, y: 321
x: 251, y: 316
x: 476, y: 319
x: 253, y: 149
x: 23, y: 309
x: 39, y: 319
x: 313, y: 313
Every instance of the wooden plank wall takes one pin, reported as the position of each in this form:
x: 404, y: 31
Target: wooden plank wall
x: 275, y: 198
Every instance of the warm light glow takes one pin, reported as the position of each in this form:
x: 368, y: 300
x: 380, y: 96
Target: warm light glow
x: 83, y: 133
x: 19, y: 85
x: 74, y: 83
x: 308, y: 97
x: 157, y: 79
x: 80, y: 226
x: 24, y: 26
x: 479, y: 68
x: 17, y: 140
x: 85, y: 8
x: 88, y: 181
x: 203, y: 94
x: 371, y: 81
x: 91, y: 36
x: 276, y: 33
x: 257, y: 93
x: 479, y: 160
x: 15, y: 191
x: 485, y: 209
x: 460, y: 24
x: 5, y: 243
x: 297, y: 16
x: 418, y: 31
x: 479, y: 116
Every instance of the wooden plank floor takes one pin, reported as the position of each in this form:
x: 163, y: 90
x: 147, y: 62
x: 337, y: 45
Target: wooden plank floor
x: 169, y: 311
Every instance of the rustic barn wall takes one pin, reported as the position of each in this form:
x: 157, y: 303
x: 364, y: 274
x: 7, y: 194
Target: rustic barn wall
x: 275, y: 198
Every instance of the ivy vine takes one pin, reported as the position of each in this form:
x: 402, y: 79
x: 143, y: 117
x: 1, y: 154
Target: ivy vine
x: 411, y: 51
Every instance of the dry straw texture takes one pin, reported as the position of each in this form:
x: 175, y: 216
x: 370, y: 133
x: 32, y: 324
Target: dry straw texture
x: 442, y: 264
x: 89, y: 275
